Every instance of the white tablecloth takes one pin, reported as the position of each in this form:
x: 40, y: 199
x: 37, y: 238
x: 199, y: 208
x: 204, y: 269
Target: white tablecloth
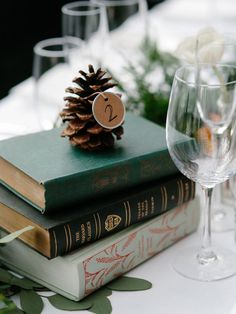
x: 171, y: 293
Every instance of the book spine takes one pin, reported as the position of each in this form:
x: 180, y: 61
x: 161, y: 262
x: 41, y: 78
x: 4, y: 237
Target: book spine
x: 118, y: 215
x: 124, y: 252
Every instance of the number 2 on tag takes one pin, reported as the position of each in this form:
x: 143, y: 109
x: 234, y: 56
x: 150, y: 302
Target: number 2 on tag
x: 108, y: 110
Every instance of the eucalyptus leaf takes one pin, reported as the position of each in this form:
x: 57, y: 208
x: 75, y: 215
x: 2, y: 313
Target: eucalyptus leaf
x: 62, y: 303
x: 41, y: 289
x: 10, y: 237
x: 24, y: 283
x: 31, y: 302
x: 10, y: 290
x: 4, y: 286
x: 101, y: 306
x: 126, y: 283
x: 17, y: 311
x: 5, y: 276
x: 100, y: 293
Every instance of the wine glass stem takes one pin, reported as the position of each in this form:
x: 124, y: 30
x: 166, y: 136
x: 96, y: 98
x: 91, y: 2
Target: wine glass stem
x: 234, y: 205
x: 206, y: 255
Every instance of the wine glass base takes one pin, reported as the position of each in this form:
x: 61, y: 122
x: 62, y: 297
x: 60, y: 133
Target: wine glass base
x: 187, y: 264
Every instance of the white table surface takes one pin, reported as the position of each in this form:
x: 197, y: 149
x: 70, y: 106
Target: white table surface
x: 171, y: 293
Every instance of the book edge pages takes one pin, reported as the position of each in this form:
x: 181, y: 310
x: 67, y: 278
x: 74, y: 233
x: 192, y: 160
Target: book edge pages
x: 31, y: 190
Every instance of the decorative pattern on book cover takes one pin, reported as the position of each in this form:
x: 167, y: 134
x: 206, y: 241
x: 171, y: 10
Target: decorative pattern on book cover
x: 139, y: 245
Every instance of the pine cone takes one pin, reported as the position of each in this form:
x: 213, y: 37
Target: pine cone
x: 82, y: 129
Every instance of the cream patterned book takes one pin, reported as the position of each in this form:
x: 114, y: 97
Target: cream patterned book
x: 94, y: 265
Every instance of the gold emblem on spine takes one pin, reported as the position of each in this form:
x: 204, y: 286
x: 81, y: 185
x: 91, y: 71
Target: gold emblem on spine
x: 112, y: 221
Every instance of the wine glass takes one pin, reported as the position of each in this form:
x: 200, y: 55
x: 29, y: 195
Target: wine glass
x: 51, y: 73
x: 232, y: 187
x: 81, y: 20
x: 221, y: 49
x: 124, y: 27
x: 201, y: 138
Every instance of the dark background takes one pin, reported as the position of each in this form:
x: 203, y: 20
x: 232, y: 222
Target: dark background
x: 22, y: 24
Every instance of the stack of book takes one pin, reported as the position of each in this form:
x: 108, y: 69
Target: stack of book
x: 96, y: 215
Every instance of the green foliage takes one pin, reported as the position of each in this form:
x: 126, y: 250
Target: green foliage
x: 32, y: 303
x: 125, y: 283
x: 62, y: 303
x: 152, y: 78
x: 101, y: 306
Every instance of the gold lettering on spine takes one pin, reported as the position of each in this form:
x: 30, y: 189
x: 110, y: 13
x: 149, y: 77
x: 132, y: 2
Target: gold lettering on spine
x: 55, y: 242
x: 70, y: 237
x: 99, y: 226
x: 77, y: 236
x: 178, y: 192
x: 152, y: 204
x: 126, y: 214
x: 162, y: 199
x: 129, y: 213
x: 182, y: 191
x: 89, y: 231
x: 67, y: 244
x: 83, y: 234
x: 165, y: 195
x: 96, y: 227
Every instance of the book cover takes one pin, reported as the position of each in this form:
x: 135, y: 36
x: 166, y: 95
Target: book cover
x: 55, y: 235
x: 48, y: 172
x: 96, y: 264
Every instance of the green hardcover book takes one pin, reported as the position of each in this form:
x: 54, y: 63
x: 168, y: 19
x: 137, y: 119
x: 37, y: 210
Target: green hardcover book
x: 69, y: 229
x: 81, y: 272
x: 48, y: 172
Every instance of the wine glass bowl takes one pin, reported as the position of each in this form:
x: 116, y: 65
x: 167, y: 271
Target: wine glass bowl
x: 222, y: 48
x: 118, y: 11
x: 123, y: 28
x: 51, y: 73
x: 208, y: 157
x: 201, y: 138
x: 81, y: 20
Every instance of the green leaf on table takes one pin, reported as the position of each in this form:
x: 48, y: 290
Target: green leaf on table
x: 100, y: 302
x: 126, y: 283
x: 63, y: 303
x: 8, y: 290
x: 4, y: 286
x: 14, y: 311
x: 10, y: 237
x: 17, y: 311
x: 24, y: 283
x: 41, y: 289
x: 31, y: 302
x: 5, y: 276
x: 100, y: 293
x: 8, y: 278
x: 102, y: 305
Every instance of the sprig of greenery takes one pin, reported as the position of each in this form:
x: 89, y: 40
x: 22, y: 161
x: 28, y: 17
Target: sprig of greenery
x: 32, y: 302
x: 148, y: 101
